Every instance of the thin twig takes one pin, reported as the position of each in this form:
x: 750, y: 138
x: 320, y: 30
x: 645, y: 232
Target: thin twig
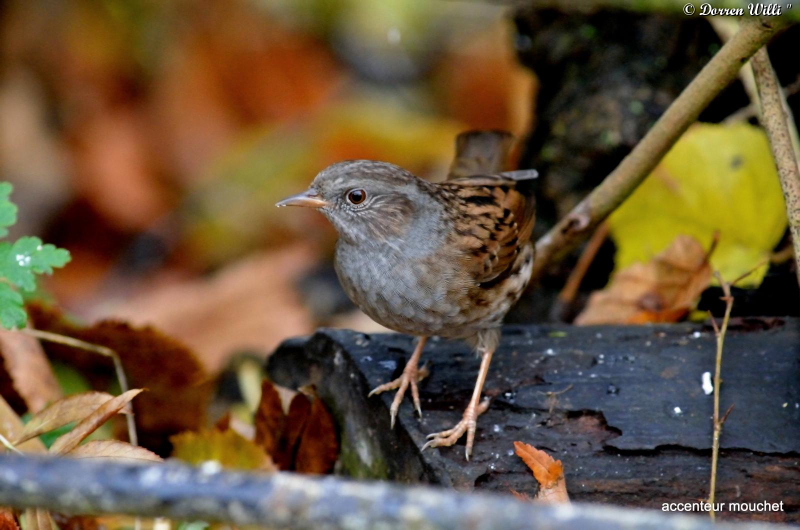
x: 720, y: 333
x: 570, y: 290
x: 100, y: 350
x: 775, y: 122
x: 640, y: 162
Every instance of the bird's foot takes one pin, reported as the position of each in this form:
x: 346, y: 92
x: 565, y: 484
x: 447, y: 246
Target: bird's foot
x: 468, y: 424
x: 411, y: 376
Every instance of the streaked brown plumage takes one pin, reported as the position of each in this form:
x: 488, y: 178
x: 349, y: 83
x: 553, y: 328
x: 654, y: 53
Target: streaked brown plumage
x: 423, y: 258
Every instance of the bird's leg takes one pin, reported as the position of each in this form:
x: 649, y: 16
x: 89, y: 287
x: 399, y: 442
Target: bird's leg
x: 469, y: 421
x: 412, y: 374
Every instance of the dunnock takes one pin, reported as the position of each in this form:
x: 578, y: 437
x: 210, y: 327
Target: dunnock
x: 423, y: 258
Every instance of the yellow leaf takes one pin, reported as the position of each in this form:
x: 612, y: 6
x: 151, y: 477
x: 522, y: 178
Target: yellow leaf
x: 229, y: 448
x: 716, y: 178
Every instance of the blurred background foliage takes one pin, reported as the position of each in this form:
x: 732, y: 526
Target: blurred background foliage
x: 153, y: 138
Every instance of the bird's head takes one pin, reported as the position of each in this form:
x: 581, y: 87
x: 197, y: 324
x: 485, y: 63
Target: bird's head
x: 368, y: 202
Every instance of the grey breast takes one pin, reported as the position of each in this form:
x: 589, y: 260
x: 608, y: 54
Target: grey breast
x: 403, y: 286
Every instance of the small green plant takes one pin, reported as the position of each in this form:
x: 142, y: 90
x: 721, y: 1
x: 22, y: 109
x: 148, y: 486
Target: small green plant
x: 20, y: 263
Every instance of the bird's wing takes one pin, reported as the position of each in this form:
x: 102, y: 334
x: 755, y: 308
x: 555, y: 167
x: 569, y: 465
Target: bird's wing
x: 494, y: 217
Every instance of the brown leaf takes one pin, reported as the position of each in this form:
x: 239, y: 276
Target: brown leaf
x: 547, y: 471
x: 115, y: 450
x: 296, y: 422
x: 26, y: 378
x: 88, y: 425
x: 179, y: 389
x: 269, y: 418
x: 228, y: 448
x: 11, y: 427
x: 7, y: 520
x: 62, y: 412
x: 663, y: 290
x: 319, y: 445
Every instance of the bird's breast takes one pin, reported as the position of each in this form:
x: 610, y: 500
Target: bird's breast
x: 406, y: 293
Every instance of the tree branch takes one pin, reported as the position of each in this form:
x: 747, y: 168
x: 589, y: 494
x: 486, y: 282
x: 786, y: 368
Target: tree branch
x: 774, y: 121
x: 286, y: 500
x: 634, y: 168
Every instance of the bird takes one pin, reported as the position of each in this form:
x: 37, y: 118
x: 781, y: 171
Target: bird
x: 423, y: 258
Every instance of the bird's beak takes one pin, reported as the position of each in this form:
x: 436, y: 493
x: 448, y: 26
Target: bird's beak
x: 309, y: 199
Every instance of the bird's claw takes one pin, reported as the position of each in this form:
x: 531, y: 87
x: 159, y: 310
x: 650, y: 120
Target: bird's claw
x: 468, y: 424
x: 411, y: 376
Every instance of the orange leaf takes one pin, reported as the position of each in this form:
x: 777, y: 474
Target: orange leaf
x: 319, y: 445
x: 7, y: 520
x: 663, y: 290
x: 296, y: 421
x: 70, y: 440
x: 547, y: 471
x: 269, y: 419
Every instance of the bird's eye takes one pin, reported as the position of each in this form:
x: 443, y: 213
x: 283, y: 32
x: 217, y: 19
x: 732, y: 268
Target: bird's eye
x: 356, y: 196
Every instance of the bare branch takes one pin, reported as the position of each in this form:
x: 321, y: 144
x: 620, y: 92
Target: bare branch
x: 288, y: 500
x: 774, y: 120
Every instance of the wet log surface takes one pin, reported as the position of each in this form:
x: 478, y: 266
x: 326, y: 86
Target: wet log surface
x: 622, y: 407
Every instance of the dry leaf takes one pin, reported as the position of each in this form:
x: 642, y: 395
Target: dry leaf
x: 178, y: 388
x: 547, y: 471
x: 228, y: 448
x: 319, y: 445
x: 663, y: 290
x: 88, y: 425
x: 29, y: 383
x: 7, y: 520
x: 62, y: 412
x: 11, y: 427
x: 115, y: 450
x: 296, y: 421
x: 38, y: 519
x: 269, y: 419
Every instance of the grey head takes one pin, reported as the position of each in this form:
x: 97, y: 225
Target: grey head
x: 368, y: 202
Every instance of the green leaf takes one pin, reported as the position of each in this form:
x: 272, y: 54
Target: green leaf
x: 12, y: 314
x: 8, y: 210
x: 716, y: 178
x: 28, y: 256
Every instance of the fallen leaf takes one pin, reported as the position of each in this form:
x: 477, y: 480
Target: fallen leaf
x: 717, y: 178
x: 7, y: 520
x: 179, y: 389
x: 663, y: 290
x: 26, y: 377
x: 549, y: 473
x: 269, y: 419
x: 319, y: 444
x: 62, y: 412
x: 88, y: 425
x: 38, y: 519
x: 229, y: 448
x: 296, y: 421
x: 114, y: 450
x: 11, y: 427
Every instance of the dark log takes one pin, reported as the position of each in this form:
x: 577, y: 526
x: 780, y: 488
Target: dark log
x: 623, y: 407
x: 286, y: 500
